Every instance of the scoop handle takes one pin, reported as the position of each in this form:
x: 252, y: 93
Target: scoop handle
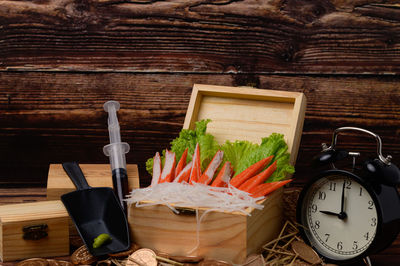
x: 75, y: 174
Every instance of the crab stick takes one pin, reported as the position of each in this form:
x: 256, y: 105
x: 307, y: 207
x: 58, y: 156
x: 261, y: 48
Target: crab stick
x: 182, y: 162
x: 168, y: 172
x: 156, y: 169
x: 250, y: 171
x: 196, y: 167
x: 266, y: 188
x: 184, y: 174
x: 223, y: 177
x: 258, y: 179
x: 212, y: 167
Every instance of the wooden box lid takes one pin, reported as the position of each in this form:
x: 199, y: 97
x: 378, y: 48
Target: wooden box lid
x: 242, y: 113
x: 32, y: 211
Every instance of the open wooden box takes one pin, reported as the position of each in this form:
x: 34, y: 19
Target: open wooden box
x: 236, y: 114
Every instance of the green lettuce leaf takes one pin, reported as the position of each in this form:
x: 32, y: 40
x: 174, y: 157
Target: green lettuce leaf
x: 188, y: 139
x: 235, y: 151
x: 243, y: 154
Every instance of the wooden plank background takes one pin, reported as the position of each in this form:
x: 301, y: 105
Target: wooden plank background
x: 62, y: 59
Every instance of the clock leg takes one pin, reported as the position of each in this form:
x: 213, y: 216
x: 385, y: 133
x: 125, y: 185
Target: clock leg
x: 367, y: 261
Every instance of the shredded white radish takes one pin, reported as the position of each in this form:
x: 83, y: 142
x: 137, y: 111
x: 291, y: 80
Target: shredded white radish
x: 229, y: 199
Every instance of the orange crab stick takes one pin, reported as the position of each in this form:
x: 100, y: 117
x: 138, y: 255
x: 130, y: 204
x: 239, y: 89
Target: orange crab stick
x: 223, y: 177
x: 250, y: 171
x: 208, y: 174
x: 156, y: 169
x: 168, y: 172
x: 258, y: 179
x: 184, y: 174
x: 196, y: 167
x: 182, y: 162
x: 266, y: 188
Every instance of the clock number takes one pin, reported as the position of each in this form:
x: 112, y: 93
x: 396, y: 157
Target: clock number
x: 322, y: 195
x: 327, y: 237
x: 371, y: 204
x: 373, y: 222
x: 332, y: 186
x: 355, y: 245
x: 339, y: 245
x: 348, y: 184
x: 366, y: 236
x: 317, y: 224
x: 360, y: 191
x: 314, y: 208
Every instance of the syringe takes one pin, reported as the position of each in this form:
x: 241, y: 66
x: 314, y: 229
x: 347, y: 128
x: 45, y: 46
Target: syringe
x: 116, y: 151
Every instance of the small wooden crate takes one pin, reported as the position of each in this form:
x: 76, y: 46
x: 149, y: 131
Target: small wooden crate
x: 21, y: 224
x: 236, y: 114
x: 97, y: 175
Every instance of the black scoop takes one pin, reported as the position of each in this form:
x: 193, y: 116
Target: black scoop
x: 95, y: 211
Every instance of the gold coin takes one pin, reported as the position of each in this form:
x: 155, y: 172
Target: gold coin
x: 106, y: 262
x: 59, y: 262
x: 214, y: 263
x: 305, y: 252
x: 33, y: 262
x: 189, y: 259
x: 52, y: 262
x: 300, y: 263
x: 162, y: 254
x: 82, y: 256
x: 126, y: 253
x: 254, y: 260
x: 142, y: 257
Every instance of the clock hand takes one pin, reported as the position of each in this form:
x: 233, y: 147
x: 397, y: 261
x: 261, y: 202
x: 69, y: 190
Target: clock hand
x: 330, y: 213
x: 342, y: 215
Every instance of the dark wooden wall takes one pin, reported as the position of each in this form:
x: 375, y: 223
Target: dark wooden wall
x: 61, y: 60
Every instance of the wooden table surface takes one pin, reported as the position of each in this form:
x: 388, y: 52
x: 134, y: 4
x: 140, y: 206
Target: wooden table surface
x: 390, y: 256
x: 61, y: 60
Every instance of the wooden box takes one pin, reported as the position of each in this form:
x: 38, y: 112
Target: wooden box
x: 97, y: 175
x: 236, y: 114
x: 38, y: 229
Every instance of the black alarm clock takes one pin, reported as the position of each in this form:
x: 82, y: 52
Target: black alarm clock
x: 347, y: 215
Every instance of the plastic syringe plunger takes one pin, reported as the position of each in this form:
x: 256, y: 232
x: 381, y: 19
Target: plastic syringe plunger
x: 111, y: 107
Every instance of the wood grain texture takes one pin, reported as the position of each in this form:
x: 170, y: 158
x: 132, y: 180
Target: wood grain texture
x: 55, y: 117
x: 248, y: 114
x: 228, y: 236
x: 275, y: 36
x: 14, y: 217
x: 97, y: 175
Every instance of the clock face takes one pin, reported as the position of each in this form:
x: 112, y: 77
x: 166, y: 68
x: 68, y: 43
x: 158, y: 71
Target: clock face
x: 341, y: 217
